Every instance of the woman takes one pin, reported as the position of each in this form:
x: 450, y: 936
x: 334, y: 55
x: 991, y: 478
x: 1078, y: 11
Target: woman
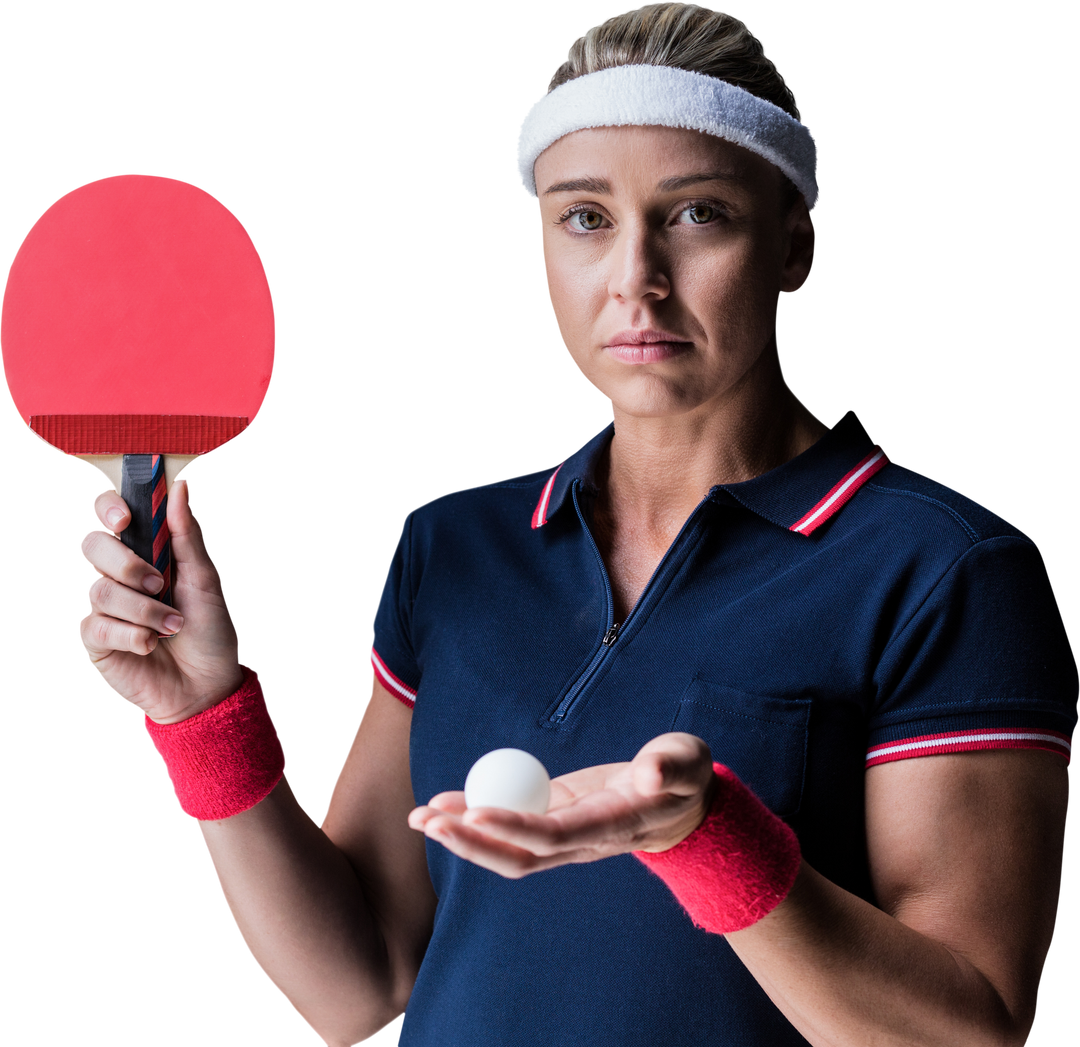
x: 717, y: 577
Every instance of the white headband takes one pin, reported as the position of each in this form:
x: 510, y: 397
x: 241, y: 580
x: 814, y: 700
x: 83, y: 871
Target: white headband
x: 657, y: 95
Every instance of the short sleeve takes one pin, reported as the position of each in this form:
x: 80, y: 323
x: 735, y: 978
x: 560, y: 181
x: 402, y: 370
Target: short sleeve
x: 983, y: 663
x: 392, y: 656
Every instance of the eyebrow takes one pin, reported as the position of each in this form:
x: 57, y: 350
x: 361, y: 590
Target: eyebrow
x: 601, y: 187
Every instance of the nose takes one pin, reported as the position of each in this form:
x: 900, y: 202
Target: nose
x: 638, y: 268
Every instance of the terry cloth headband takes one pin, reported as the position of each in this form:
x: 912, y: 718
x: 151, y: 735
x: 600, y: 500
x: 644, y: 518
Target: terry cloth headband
x: 657, y: 95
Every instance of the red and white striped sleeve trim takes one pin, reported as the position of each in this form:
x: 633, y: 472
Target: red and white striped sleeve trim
x: 402, y: 691
x: 842, y: 493
x: 968, y: 741
x: 539, y: 516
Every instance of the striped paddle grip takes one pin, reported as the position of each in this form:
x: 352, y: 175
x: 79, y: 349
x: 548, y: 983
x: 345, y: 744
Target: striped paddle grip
x: 142, y: 486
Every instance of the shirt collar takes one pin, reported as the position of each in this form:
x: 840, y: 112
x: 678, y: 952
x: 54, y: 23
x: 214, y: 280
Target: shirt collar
x: 799, y: 495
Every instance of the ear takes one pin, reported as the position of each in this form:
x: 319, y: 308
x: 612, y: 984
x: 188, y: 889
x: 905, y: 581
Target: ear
x: 799, y: 240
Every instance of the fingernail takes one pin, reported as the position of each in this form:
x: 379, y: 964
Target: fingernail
x: 153, y: 583
x: 172, y: 623
x: 114, y: 516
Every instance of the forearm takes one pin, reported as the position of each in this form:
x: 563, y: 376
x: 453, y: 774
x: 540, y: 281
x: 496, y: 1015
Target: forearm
x: 846, y: 974
x: 303, y: 912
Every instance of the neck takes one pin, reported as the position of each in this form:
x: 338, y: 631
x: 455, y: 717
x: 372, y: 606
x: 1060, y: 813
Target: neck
x: 659, y: 468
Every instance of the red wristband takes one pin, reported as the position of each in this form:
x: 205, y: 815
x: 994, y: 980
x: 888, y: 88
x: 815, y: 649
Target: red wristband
x: 735, y: 867
x: 223, y: 760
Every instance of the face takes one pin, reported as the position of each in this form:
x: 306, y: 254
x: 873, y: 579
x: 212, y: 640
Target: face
x: 666, y: 250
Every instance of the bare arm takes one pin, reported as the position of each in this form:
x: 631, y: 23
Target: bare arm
x: 965, y: 852
x: 299, y: 905
x: 339, y: 918
x: 368, y: 821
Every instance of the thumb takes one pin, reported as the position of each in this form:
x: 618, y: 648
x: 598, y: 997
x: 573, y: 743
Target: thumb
x: 185, y: 531
x: 179, y: 514
x: 677, y: 763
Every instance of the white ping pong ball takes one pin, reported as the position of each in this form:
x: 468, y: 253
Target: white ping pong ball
x: 511, y: 779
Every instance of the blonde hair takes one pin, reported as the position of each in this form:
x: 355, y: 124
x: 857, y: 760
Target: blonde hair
x: 683, y: 36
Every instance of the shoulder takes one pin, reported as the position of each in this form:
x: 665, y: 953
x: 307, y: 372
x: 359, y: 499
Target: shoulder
x: 905, y: 499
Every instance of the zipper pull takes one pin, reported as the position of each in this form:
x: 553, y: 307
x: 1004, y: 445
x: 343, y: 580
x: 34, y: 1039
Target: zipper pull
x: 611, y: 635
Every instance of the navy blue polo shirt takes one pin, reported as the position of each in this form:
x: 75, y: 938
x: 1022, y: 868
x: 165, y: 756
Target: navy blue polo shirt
x: 834, y: 613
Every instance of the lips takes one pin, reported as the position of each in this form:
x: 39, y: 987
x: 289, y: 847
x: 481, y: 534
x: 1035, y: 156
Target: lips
x: 645, y: 346
x: 648, y: 336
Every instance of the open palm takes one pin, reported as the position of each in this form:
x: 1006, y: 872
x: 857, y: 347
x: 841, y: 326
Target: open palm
x: 650, y: 803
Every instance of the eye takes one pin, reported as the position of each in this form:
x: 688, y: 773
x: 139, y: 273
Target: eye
x: 585, y: 220
x: 699, y: 214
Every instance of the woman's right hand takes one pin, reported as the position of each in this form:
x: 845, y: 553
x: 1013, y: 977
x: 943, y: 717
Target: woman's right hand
x: 195, y: 665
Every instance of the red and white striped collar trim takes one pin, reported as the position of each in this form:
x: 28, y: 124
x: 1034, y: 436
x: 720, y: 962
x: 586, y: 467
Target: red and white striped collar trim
x: 838, y: 496
x: 540, y: 513
x: 841, y: 493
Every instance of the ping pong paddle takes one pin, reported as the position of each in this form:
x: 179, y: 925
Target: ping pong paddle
x: 138, y: 333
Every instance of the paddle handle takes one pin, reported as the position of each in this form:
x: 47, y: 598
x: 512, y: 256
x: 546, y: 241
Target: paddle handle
x: 142, y: 486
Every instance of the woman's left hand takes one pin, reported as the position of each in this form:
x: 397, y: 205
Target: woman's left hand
x: 649, y: 804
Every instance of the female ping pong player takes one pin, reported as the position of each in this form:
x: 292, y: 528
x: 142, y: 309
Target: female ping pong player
x: 807, y: 712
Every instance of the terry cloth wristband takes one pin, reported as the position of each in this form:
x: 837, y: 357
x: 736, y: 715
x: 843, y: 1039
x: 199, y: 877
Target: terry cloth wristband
x: 225, y: 759
x: 735, y: 867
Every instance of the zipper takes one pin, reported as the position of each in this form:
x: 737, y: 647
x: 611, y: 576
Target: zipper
x: 614, y: 629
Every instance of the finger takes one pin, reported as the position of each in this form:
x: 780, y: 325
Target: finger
x: 451, y: 802
x: 102, y: 636
x: 112, y: 511
x: 115, y: 560
x: 119, y: 601
x: 447, y: 803
x: 497, y: 855
x: 538, y: 834
x: 453, y: 813
x: 605, y: 824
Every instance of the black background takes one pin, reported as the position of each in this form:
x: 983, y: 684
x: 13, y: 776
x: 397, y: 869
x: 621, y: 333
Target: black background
x: 372, y: 163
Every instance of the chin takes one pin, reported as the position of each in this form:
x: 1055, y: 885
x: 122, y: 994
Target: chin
x: 659, y: 404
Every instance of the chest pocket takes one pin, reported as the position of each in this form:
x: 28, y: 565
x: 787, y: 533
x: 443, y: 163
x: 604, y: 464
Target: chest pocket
x: 761, y: 738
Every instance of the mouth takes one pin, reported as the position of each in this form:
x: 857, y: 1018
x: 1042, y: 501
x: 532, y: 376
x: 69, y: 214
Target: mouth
x: 646, y: 346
